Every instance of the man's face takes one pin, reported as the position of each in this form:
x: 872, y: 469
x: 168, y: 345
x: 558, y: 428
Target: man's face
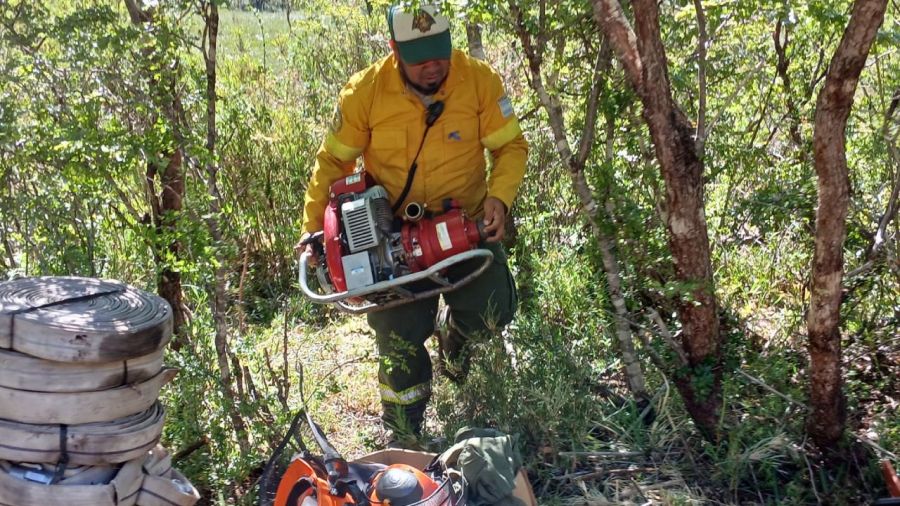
x: 427, y: 76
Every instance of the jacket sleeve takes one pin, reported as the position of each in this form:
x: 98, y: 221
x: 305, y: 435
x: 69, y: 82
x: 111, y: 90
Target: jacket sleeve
x: 501, y: 135
x: 347, y: 137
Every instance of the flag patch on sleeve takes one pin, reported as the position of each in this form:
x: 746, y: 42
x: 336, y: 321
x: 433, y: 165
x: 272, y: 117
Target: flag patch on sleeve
x: 505, y: 106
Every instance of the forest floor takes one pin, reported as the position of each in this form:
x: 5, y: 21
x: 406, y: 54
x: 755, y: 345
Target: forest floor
x: 657, y: 463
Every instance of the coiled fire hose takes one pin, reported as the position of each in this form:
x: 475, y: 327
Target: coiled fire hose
x: 146, y: 481
x: 92, y: 444
x: 73, y: 408
x: 81, y: 319
x: 23, y: 372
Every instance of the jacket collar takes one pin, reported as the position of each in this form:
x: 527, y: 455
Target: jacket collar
x: 394, y: 83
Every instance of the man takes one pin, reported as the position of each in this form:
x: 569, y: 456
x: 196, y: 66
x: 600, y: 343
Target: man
x: 381, y: 116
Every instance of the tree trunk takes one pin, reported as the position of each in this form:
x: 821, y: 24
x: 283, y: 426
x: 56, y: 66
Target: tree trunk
x: 473, y: 35
x: 644, y: 61
x: 575, y: 162
x: 165, y: 204
x: 826, y: 420
x: 165, y: 209
x: 218, y: 299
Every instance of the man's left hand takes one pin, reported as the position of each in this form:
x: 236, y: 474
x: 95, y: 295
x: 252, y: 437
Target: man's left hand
x: 494, y: 219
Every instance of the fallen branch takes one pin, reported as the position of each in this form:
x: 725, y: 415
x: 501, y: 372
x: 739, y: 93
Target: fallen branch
x: 189, y: 449
x: 663, y: 484
x: 602, y: 455
x: 581, y: 476
x: 590, y: 476
x: 875, y: 446
x: 762, y: 384
x: 632, y: 470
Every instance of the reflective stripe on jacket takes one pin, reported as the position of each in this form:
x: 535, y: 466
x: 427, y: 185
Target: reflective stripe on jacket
x: 379, y: 118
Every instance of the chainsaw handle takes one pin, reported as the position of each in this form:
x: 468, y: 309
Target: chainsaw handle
x: 335, y: 465
x: 329, y: 453
x: 358, y: 496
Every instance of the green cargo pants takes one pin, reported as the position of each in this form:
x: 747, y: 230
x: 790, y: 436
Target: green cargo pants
x: 484, y: 305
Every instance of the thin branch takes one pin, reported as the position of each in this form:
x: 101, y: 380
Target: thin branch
x: 701, y: 78
x: 189, y: 449
x: 862, y: 269
x: 136, y: 216
x: 817, y: 74
x: 878, y: 238
x: 667, y: 336
x: 551, y: 105
x: 655, y: 357
x: 603, y: 455
x: 542, y: 29
x: 20, y: 40
x: 558, y: 55
x: 590, y: 120
x: 782, y: 68
x: 812, y: 481
x: 754, y: 127
x: 528, y: 114
x: 136, y: 12
x: 895, y: 100
x: 891, y: 210
x: 877, y: 447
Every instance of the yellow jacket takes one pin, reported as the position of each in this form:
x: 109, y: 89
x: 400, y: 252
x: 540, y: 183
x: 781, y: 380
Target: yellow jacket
x: 379, y: 118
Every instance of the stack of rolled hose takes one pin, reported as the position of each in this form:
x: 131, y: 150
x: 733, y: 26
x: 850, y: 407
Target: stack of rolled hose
x: 81, y: 368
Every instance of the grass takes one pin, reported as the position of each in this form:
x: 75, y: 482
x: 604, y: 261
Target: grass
x: 258, y: 36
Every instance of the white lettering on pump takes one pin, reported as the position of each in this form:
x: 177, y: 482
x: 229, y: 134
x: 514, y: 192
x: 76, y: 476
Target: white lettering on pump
x: 443, y: 236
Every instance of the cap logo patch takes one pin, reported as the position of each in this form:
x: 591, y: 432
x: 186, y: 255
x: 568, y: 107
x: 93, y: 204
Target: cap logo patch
x: 422, y: 21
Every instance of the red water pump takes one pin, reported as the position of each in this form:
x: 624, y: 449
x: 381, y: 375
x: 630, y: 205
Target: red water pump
x: 373, y: 256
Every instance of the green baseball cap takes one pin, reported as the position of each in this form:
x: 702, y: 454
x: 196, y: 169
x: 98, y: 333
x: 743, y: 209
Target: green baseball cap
x: 421, y: 35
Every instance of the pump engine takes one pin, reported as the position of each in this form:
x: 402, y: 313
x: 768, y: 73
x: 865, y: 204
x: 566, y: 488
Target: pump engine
x: 371, y: 256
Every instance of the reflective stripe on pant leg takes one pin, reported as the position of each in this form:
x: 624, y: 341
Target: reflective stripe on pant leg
x: 416, y: 393
x: 404, y: 370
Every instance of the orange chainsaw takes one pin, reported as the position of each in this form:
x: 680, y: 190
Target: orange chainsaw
x: 329, y: 480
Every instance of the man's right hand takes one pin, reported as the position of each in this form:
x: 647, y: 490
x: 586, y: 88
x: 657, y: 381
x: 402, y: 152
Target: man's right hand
x: 307, y: 245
